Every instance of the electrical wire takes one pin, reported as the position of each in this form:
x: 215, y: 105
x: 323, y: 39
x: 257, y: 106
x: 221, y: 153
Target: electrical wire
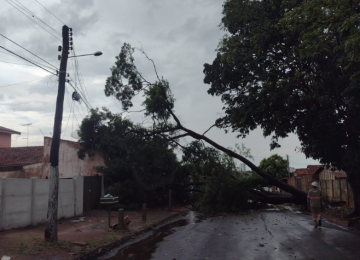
x: 32, y: 19
x: 38, y: 63
x: 50, y: 12
x: 34, y: 15
x: 20, y: 83
x: 71, y: 107
x: 27, y: 50
x: 79, y: 77
x: 27, y: 60
x: 16, y: 63
x: 81, y: 95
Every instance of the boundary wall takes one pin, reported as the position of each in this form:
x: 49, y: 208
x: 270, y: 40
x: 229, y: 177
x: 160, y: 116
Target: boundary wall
x: 24, y: 202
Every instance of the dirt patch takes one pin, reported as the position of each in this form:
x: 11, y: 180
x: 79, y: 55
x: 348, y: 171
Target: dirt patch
x: 75, y: 238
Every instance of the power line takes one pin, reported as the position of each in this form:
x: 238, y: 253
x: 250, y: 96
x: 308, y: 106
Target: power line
x: 20, y: 83
x: 82, y: 96
x: 27, y: 60
x: 32, y: 19
x: 16, y: 63
x: 50, y: 12
x: 34, y: 15
x: 80, y: 77
x: 27, y: 50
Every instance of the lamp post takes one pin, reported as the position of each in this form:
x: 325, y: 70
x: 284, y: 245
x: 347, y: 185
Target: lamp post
x: 98, y: 53
x: 51, y: 226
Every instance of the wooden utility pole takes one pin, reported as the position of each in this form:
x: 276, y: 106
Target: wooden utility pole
x: 51, y: 227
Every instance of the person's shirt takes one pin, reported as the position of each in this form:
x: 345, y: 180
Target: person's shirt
x: 314, y: 198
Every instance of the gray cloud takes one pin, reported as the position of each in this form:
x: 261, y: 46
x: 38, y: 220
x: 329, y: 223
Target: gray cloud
x: 180, y: 36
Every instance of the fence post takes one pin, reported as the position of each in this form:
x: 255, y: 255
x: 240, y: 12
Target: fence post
x: 144, y: 212
x: 2, y: 203
x: 170, y: 207
x: 121, y: 219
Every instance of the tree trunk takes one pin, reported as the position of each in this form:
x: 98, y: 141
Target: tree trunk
x: 51, y: 227
x: 299, y: 197
x: 354, y: 181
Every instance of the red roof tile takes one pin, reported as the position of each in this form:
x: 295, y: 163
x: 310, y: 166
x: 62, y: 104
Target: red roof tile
x: 312, y: 169
x: 301, y: 172
x: 8, y: 131
x: 21, y: 155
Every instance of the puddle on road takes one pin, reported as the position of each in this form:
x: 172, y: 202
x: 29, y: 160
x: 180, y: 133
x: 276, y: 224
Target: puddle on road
x: 144, y: 248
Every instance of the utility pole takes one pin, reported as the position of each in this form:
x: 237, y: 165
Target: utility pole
x: 51, y: 227
x: 288, y: 165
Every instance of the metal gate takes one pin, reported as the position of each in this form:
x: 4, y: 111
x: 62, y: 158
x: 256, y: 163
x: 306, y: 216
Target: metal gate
x: 92, y: 192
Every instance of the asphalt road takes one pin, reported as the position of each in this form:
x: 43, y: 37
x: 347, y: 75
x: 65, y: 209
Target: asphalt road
x: 258, y: 235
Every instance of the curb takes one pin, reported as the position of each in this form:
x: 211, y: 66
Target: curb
x: 352, y: 224
x: 106, y: 248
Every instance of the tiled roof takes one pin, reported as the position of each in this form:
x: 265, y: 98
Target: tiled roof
x: 8, y: 131
x: 301, y: 172
x: 21, y: 155
x: 311, y: 169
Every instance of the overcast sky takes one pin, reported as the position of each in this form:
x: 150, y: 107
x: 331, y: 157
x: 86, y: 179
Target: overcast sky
x: 180, y: 36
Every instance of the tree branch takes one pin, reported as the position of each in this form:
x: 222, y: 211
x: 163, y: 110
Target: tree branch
x: 209, y: 129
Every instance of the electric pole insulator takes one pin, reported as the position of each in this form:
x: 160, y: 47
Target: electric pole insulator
x: 59, y: 48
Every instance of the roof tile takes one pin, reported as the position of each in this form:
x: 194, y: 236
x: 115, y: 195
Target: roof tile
x: 21, y: 155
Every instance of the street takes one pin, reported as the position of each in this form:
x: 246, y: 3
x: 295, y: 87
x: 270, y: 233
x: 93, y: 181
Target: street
x: 265, y: 234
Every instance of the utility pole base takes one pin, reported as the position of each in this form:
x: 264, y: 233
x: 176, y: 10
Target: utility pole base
x: 51, y: 226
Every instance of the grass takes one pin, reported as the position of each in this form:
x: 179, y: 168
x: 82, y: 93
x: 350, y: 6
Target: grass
x: 36, y: 246
x: 94, y: 244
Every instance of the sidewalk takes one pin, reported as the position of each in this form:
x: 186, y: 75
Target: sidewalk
x: 79, y: 239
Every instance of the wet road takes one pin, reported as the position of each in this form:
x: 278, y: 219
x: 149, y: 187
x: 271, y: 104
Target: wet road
x: 257, y: 235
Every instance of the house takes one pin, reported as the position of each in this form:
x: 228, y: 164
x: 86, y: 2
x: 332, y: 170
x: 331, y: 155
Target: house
x: 310, y: 170
x: 330, y: 173
x: 5, y: 136
x: 303, y: 177
x: 34, y: 161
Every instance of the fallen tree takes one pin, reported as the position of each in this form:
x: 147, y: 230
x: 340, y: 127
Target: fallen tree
x: 126, y: 82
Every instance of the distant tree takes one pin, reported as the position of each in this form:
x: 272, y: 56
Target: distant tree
x: 275, y: 165
x: 293, y: 66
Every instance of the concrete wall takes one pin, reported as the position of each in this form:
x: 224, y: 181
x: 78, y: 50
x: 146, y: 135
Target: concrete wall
x: 5, y: 140
x: 69, y: 163
x: 23, y: 202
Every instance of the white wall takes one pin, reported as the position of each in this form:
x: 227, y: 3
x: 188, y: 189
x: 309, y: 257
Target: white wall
x: 23, y: 202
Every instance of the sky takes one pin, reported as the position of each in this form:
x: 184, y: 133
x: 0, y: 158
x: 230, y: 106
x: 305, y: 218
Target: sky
x: 180, y: 36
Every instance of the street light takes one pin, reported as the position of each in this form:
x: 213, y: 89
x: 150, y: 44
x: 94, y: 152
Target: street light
x: 98, y: 53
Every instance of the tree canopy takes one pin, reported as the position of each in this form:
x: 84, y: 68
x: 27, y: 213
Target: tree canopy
x: 137, y: 168
x: 275, y: 165
x: 292, y: 66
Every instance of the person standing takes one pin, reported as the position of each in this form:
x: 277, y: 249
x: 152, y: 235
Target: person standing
x: 314, y: 202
